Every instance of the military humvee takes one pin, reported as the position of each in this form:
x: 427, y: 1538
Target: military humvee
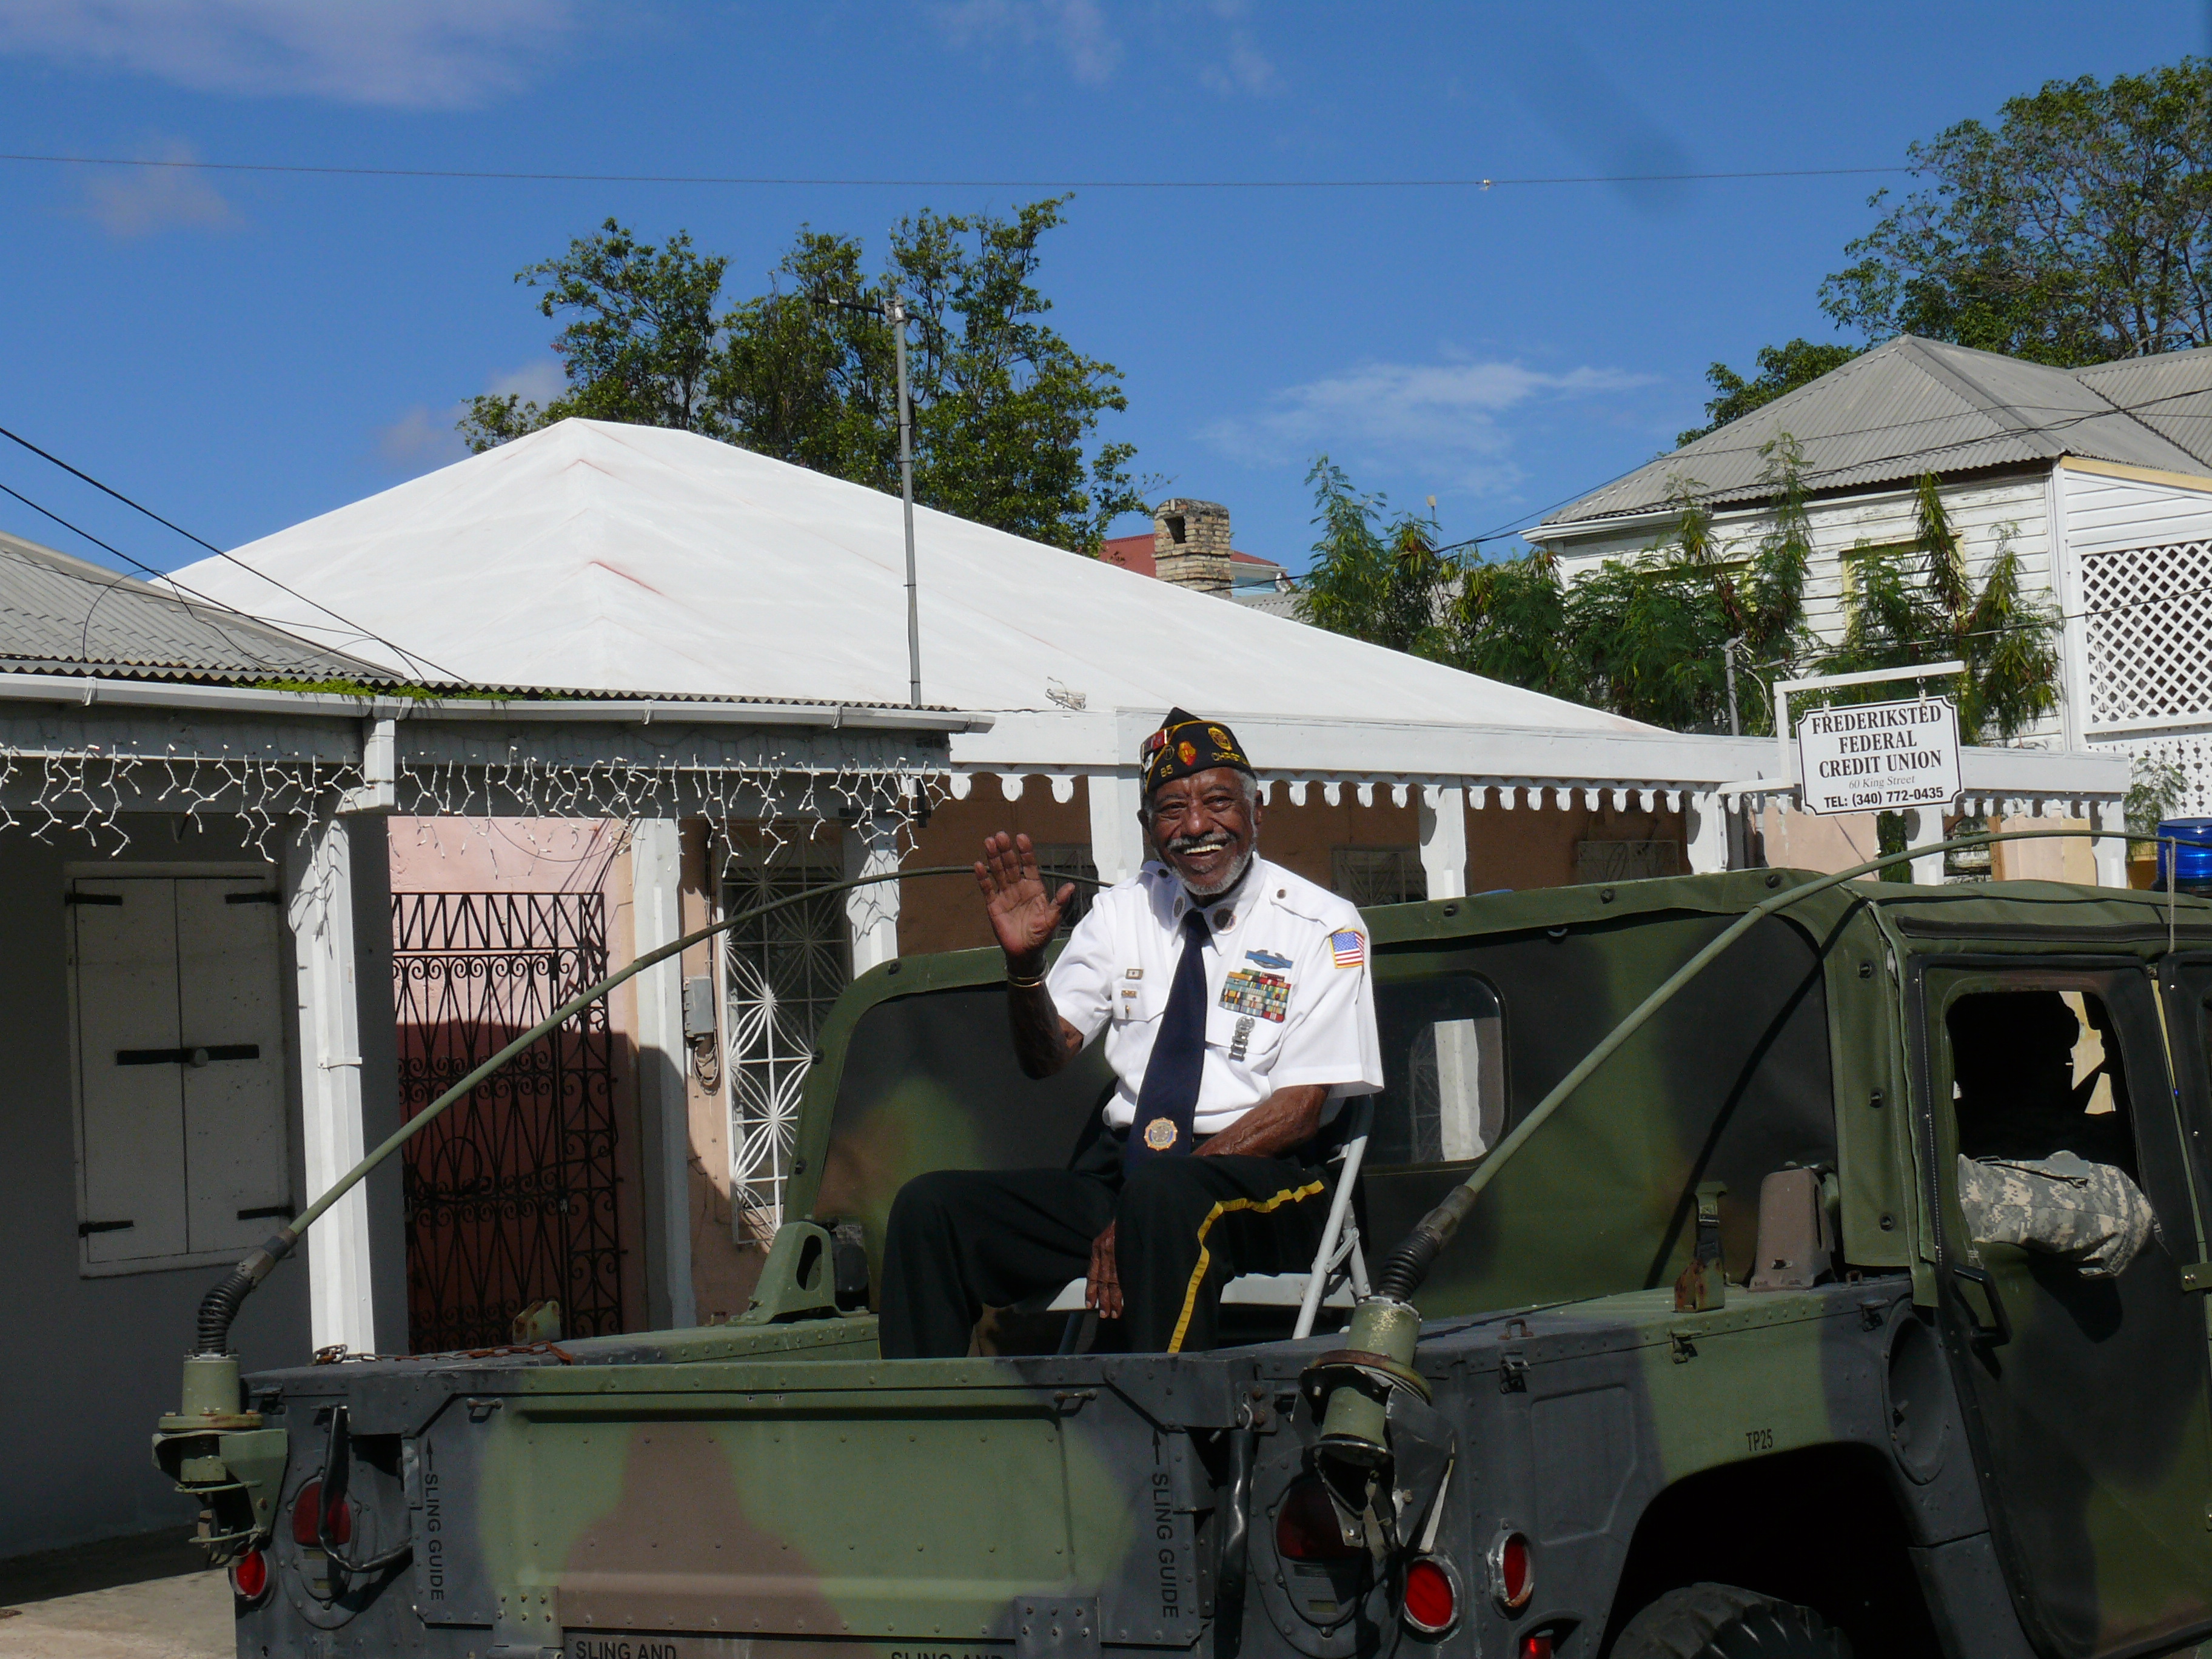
x: 1712, y: 1367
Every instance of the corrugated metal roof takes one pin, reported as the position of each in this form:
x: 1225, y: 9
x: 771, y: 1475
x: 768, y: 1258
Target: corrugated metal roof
x: 62, y: 615
x: 1911, y: 406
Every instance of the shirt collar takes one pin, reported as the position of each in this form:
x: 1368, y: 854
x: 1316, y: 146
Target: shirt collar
x: 1228, y: 911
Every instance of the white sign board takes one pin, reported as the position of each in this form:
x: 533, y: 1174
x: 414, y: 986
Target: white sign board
x: 1879, y: 756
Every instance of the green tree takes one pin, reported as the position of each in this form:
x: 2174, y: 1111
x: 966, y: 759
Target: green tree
x: 1781, y: 369
x: 1648, y: 637
x: 2079, y: 230
x: 1642, y: 638
x: 642, y: 343
x: 1384, y: 583
x: 1006, y: 412
x: 1916, y: 602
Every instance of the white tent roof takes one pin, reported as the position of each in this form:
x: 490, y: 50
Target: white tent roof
x: 599, y: 557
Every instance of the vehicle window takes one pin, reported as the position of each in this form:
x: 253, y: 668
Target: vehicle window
x: 1443, y: 1069
x: 2039, y: 1071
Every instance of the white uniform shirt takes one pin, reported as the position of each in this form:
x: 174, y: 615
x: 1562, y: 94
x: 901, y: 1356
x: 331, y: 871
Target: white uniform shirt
x: 1289, y: 1000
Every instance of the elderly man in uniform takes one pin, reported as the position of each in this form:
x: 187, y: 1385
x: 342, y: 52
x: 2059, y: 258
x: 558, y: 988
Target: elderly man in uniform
x: 1238, y: 1013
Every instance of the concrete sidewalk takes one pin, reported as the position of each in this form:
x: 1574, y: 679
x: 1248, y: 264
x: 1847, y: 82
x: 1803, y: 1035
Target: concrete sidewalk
x: 124, y: 1598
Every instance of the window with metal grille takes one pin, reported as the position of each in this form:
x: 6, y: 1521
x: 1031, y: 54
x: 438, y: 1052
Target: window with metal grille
x: 1379, y: 875
x: 2148, y: 612
x: 781, y: 972
x: 1626, y: 860
x: 1059, y: 862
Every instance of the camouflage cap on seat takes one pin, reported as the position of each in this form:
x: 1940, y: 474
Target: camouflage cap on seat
x: 1184, y: 744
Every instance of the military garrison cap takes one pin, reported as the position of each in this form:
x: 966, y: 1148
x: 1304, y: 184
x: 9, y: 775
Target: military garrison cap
x: 1184, y: 744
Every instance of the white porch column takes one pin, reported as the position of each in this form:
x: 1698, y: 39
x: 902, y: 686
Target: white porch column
x: 2110, y: 848
x: 1706, y: 817
x: 871, y: 912
x: 1117, y: 842
x: 1443, y: 840
x: 1924, y: 829
x: 656, y: 866
x: 319, y: 907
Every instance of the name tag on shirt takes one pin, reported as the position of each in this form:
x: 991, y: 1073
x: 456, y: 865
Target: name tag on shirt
x: 1268, y: 995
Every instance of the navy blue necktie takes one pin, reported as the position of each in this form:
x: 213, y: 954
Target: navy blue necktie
x: 1167, y: 1101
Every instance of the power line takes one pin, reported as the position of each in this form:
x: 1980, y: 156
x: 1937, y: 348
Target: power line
x: 418, y: 664
x: 752, y: 180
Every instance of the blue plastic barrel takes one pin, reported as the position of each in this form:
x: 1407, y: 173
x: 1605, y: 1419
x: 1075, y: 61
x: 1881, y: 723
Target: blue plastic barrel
x: 2187, y: 862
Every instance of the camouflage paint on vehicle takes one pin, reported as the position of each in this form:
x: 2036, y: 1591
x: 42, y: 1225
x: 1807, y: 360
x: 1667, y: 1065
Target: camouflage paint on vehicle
x: 1868, y: 1445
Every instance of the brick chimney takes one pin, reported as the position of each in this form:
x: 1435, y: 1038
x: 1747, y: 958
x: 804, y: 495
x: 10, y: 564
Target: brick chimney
x: 1190, y: 545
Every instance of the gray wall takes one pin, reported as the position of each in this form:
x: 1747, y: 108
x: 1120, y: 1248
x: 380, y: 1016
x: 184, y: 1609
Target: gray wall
x: 95, y: 1361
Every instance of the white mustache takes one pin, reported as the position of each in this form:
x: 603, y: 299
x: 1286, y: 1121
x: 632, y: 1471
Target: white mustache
x: 1198, y: 843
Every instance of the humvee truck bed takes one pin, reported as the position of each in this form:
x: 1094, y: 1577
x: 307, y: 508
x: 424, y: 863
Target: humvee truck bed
x: 1901, y: 1440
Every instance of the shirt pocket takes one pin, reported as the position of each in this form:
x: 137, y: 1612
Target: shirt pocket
x: 1138, y: 1002
x: 1239, y: 1022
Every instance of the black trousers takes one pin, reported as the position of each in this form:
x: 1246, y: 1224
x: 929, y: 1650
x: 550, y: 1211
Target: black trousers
x: 962, y: 1240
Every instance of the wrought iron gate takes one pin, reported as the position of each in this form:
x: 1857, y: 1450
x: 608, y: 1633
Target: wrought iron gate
x: 511, y: 1196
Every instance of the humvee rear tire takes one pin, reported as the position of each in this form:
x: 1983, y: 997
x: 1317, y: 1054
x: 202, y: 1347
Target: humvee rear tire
x: 1719, y: 1621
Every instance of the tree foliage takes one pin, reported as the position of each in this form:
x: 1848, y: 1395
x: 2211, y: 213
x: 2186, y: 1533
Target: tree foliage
x: 1781, y: 369
x: 1649, y: 636
x: 1916, y: 602
x: 2079, y: 230
x: 1385, y: 584
x: 1006, y: 412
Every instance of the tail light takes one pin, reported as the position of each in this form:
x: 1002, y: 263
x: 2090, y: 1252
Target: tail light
x: 1431, y: 1604
x: 249, y: 1575
x: 1537, y: 1644
x: 1306, y: 1528
x: 1512, y: 1571
x: 305, y: 1521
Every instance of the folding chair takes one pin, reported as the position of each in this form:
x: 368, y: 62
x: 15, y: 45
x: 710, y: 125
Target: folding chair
x: 1339, y: 1273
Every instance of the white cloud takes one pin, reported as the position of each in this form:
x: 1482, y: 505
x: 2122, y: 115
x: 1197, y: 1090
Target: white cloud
x: 142, y: 201
x: 407, y: 53
x: 1441, y: 418
x: 1246, y: 69
x: 424, y: 438
x: 1076, y: 28
x: 538, y: 382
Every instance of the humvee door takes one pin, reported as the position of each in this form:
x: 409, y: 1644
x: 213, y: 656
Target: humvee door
x: 2089, y: 1397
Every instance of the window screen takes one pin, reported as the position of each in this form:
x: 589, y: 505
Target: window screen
x: 1443, y: 1069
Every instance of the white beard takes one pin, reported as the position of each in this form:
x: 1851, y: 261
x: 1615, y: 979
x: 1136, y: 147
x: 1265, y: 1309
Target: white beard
x: 1216, y: 889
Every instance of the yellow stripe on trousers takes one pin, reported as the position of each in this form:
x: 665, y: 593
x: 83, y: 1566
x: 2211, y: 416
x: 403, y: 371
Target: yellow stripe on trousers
x: 1258, y: 1206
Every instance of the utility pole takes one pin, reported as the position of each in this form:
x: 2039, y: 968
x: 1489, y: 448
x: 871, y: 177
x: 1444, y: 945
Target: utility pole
x: 1728, y: 661
x: 894, y: 312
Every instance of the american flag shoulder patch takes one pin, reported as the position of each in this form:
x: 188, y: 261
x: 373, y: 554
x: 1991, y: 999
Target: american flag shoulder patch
x: 1349, y: 947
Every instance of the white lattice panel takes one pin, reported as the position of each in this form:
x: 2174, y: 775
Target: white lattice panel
x: 2191, y: 751
x: 2149, y: 617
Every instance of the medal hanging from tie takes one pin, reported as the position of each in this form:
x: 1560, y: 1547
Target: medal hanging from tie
x: 1167, y: 1101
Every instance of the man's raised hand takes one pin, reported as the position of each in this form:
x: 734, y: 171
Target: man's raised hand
x: 1023, y: 914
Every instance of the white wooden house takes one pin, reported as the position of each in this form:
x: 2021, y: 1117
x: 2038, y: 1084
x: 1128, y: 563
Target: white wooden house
x: 2099, y: 479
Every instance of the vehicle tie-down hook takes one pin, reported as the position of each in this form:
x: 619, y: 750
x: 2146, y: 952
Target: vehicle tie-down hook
x: 1385, y: 1453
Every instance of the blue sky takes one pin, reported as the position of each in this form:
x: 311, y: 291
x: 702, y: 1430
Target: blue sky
x: 242, y: 351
